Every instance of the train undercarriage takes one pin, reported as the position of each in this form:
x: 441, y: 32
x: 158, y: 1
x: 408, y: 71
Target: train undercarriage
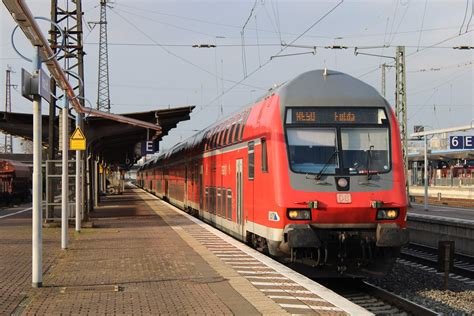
x: 334, y: 252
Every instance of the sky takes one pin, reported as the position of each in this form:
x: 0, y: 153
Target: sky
x: 152, y: 64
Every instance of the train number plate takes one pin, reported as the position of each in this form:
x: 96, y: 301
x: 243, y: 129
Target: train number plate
x: 343, y: 198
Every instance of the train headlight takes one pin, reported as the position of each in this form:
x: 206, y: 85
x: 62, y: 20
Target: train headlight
x: 391, y: 213
x: 299, y: 214
x: 342, y: 182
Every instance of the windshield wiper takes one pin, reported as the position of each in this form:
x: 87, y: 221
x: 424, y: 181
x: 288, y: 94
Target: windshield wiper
x: 320, y: 173
x: 369, y: 160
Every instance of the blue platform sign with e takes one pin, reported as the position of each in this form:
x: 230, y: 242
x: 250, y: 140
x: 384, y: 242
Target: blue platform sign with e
x: 149, y: 147
x: 461, y: 142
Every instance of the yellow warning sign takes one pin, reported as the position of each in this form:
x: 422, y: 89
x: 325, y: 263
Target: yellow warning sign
x: 77, y: 140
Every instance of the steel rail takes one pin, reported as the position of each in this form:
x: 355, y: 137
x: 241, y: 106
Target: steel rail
x: 398, y: 301
x: 24, y: 18
x: 374, y: 298
x: 425, y: 255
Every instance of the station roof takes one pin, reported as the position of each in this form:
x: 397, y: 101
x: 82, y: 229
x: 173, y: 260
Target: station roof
x: 443, y: 155
x: 115, y: 142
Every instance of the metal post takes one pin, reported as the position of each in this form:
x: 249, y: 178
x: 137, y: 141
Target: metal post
x: 64, y: 177
x: 426, y: 173
x: 102, y: 178
x: 383, y: 79
x: 88, y: 183
x: 447, y: 258
x: 401, y: 106
x: 96, y: 183
x: 78, y: 184
x: 89, y: 179
x: 37, y: 212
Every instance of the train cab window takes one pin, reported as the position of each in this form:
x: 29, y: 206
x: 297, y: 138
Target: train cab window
x: 229, y: 204
x: 312, y: 150
x: 219, y: 206
x: 365, y: 149
x: 251, y: 162
x: 264, y: 155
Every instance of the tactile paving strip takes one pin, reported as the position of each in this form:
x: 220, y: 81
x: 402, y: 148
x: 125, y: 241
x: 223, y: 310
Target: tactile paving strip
x: 291, y: 296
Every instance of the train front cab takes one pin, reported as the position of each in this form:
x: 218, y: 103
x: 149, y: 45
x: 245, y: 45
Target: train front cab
x: 344, y: 203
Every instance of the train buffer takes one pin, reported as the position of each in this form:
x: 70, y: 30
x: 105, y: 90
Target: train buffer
x: 144, y: 256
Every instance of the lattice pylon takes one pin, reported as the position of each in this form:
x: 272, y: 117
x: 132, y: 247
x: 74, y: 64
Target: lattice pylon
x: 103, y: 91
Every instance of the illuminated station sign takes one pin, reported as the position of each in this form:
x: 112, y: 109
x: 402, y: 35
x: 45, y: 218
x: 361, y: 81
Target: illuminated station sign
x: 339, y: 115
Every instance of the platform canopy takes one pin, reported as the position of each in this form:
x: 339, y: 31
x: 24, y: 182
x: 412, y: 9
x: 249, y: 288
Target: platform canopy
x: 443, y: 155
x: 113, y: 141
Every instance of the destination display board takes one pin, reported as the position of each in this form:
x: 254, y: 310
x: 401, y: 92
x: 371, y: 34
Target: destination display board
x: 339, y: 115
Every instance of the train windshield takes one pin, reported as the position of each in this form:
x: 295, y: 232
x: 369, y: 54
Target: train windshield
x: 365, y: 149
x: 312, y: 149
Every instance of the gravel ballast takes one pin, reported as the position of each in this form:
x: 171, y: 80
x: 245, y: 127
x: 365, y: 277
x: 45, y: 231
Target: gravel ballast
x: 427, y: 289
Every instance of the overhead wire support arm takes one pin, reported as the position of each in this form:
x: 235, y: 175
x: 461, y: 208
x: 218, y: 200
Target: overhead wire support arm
x: 295, y: 54
x: 25, y: 19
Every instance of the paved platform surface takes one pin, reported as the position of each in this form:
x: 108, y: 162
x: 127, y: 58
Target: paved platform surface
x: 144, y: 257
x: 444, y: 212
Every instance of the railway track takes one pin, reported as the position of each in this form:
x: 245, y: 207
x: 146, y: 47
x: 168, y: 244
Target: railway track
x: 463, y: 265
x: 375, y: 299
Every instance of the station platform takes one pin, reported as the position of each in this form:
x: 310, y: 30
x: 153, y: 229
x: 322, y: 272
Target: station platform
x: 448, y: 213
x: 146, y: 257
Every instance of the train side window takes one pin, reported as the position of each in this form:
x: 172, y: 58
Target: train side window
x: 224, y: 141
x: 219, y: 136
x: 219, y: 201
x: 231, y: 133
x: 214, y: 140
x: 251, y: 162
x: 237, y: 130
x: 242, y: 127
x: 223, y: 204
x: 229, y: 204
x: 264, y: 155
x: 210, y: 200
x: 214, y: 196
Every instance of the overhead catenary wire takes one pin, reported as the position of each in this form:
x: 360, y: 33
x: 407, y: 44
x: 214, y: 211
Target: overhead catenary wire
x: 187, y: 18
x: 178, y: 56
x: 281, y: 50
x: 422, y: 24
x: 242, y: 35
x: 372, y: 70
x: 472, y: 13
x: 465, y: 15
x: 276, y: 13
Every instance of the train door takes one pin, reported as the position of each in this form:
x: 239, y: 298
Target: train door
x: 239, y: 196
x: 201, y: 190
x: 167, y: 193
x: 185, y: 189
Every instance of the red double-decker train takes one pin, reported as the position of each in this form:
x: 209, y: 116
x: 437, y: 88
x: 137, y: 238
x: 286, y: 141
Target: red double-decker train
x: 312, y: 173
